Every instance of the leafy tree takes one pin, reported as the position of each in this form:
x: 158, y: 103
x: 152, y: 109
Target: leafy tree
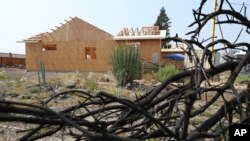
x: 163, y: 21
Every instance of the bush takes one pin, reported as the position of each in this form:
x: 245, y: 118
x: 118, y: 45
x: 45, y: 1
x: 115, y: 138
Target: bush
x: 126, y: 64
x: 34, y: 89
x: 3, y: 76
x: 241, y: 78
x: 166, y: 71
x: 91, y: 85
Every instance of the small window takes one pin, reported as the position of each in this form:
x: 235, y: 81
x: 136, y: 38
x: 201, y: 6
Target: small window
x: 50, y: 47
x: 90, y: 53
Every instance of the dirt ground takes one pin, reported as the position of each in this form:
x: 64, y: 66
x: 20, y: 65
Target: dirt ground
x: 15, y: 73
x: 20, y: 85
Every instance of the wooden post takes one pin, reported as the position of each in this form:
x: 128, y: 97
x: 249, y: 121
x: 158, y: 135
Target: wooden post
x: 11, y: 60
x: 43, y: 73
x: 38, y: 71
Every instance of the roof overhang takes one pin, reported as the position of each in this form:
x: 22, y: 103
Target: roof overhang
x: 34, y: 39
x: 29, y: 41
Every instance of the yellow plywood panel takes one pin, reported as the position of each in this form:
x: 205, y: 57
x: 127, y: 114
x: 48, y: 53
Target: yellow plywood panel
x: 70, y: 56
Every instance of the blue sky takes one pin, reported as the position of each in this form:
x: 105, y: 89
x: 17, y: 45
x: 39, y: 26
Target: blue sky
x: 23, y: 18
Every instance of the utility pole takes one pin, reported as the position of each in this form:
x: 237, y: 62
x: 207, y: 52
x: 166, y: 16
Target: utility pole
x: 213, y: 27
x: 213, y: 33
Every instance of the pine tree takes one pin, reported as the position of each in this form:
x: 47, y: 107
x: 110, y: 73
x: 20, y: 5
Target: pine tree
x: 163, y: 21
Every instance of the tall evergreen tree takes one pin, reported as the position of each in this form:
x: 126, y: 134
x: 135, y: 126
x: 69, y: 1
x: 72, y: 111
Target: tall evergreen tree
x: 163, y: 21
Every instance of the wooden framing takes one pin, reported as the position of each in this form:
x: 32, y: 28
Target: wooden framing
x: 64, y: 48
x: 151, y: 44
x: 148, y: 39
x: 150, y: 30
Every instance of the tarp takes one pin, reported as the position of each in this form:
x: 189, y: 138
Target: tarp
x: 177, y: 57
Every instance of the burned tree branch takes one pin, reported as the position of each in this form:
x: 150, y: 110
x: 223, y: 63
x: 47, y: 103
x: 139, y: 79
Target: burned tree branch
x: 166, y: 112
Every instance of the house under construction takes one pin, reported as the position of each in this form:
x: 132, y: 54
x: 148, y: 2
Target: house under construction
x: 147, y: 39
x: 74, y: 45
x: 150, y: 41
x: 79, y: 45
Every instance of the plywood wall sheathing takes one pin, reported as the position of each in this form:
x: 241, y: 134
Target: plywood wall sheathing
x: 71, y: 39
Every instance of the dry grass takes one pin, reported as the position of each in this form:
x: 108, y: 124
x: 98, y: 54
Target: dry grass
x: 3, y: 76
x: 28, y: 90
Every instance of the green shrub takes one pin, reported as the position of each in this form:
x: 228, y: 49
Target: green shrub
x: 34, y: 89
x: 91, y: 85
x: 166, y: 71
x: 3, y: 76
x: 126, y: 64
x: 241, y: 78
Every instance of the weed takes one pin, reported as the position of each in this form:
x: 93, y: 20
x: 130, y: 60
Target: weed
x: 34, y: 89
x: 148, y: 76
x: 4, y: 76
x: 241, y: 77
x: 207, y: 114
x: 155, y: 139
x: 9, y: 84
x: 91, y: 85
x: 196, y: 121
x: 166, y: 72
x: 82, y: 75
x: 18, y: 90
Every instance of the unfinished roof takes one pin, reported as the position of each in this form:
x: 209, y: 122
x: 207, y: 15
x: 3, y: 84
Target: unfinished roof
x: 35, y: 38
x: 151, y: 32
x: 75, y: 29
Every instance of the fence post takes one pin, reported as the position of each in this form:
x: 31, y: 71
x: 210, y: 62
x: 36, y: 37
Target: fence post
x: 43, y: 73
x: 11, y: 60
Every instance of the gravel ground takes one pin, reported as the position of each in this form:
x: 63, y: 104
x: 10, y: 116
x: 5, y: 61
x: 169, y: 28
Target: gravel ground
x: 15, y: 73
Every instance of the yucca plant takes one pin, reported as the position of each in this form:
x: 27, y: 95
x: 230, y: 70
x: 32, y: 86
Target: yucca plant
x: 126, y: 64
